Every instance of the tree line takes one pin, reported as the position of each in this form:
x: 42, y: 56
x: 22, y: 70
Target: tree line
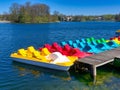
x: 27, y: 13
x: 40, y: 13
x: 108, y: 17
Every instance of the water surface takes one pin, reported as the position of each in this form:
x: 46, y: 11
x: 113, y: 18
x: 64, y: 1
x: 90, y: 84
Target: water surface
x: 17, y: 76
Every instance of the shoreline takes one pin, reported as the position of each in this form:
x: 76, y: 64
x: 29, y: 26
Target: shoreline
x: 5, y: 21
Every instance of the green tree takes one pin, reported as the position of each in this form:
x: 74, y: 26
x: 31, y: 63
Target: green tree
x: 108, y: 17
x: 28, y: 13
x: 117, y: 17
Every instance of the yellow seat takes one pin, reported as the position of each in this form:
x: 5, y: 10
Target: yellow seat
x: 107, y: 40
x: 72, y: 58
x: 117, y: 41
x: 22, y: 52
x: 37, y: 54
x: 31, y: 49
x: 65, y: 64
x: 29, y: 54
x: 45, y: 52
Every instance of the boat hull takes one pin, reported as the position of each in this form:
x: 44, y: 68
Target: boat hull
x: 42, y: 64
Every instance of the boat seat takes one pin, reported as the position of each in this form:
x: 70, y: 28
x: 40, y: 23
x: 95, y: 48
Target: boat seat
x: 77, y: 41
x: 70, y: 42
x: 112, y: 44
x: 63, y: 43
x: 83, y: 40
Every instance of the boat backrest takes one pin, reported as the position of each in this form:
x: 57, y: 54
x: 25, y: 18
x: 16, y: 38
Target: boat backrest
x: 63, y: 43
x: 88, y: 40
x: 94, y: 42
x: 92, y: 38
x: 77, y: 41
x: 98, y: 41
x: 70, y: 42
x: 103, y: 40
x: 67, y: 47
x: 75, y: 45
x: 83, y: 40
x: 100, y: 45
x: 87, y: 48
x: 81, y: 44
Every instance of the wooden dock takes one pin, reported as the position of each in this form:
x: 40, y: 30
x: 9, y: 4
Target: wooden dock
x: 100, y: 59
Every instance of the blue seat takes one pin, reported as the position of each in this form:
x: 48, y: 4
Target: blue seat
x: 103, y: 46
x: 81, y: 45
x: 94, y: 42
x: 94, y: 49
x: 70, y: 42
x: 83, y: 40
x: 77, y: 41
x: 89, y: 43
x: 75, y: 45
x: 63, y: 43
x: 87, y: 49
x: 112, y: 44
x: 91, y: 49
x: 107, y: 46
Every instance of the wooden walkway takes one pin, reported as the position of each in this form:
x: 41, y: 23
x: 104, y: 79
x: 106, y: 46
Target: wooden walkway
x: 100, y: 59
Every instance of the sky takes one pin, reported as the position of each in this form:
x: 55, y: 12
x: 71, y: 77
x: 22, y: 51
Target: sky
x: 71, y: 7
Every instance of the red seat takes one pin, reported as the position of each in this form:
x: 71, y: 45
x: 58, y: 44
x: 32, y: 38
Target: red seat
x: 80, y: 54
x: 119, y: 38
x: 67, y: 47
x: 49, y: 47
x: 111, y: 38
x: 66, y: 50
x: 57, y: 47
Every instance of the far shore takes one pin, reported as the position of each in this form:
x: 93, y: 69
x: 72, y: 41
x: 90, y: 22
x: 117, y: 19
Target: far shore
x: 5, y: 21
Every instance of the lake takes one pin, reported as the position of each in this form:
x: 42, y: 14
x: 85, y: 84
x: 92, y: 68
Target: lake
x: 17, y: 76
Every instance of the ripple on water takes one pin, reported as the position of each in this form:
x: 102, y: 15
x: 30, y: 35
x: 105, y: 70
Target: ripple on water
x: 15, y: 36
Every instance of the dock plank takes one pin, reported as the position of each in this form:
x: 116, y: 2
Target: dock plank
x: 117, y: 48
x: 90, y: 61
x: 100, y: 59
x: 111, y: 53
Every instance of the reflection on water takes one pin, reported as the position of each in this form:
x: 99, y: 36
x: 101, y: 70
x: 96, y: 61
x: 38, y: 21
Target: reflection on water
x: 38, y: 71
x: 104, y: 74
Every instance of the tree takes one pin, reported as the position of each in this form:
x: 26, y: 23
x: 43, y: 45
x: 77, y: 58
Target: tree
x: 108, y: 17
x: 117, y: 17
x: 14, y: 12
x: 29, y: 13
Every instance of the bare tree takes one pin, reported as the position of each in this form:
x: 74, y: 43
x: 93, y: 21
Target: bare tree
x: 14, y: 12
